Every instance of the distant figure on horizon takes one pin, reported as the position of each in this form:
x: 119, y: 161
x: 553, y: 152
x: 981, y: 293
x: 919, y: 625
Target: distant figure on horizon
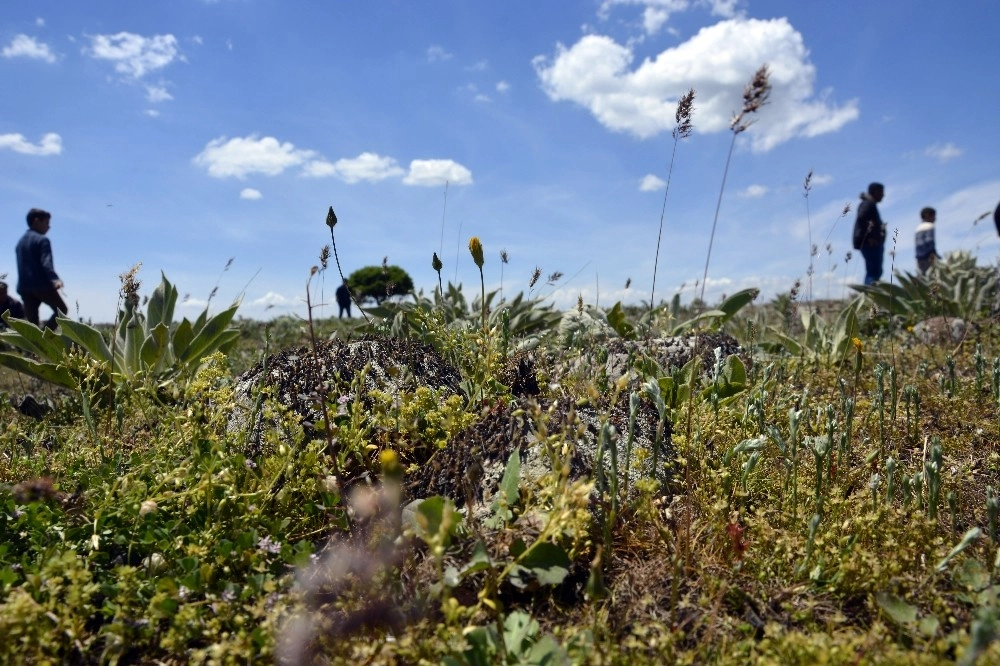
x: 9, y: 304
x: 344, y: 300
x: 996, y: 218
x: 869, y: 232
x: 926, y: 249
x: 37, y: 280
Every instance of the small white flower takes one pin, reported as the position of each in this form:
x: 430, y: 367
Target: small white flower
x: 148, y: 506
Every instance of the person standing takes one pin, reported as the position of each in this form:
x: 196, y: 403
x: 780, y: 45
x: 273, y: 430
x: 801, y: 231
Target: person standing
x: 869, y: 232
x: 37, y: 280
x: 344, y: 300
x: 926, y: 249
x: 9, y: 304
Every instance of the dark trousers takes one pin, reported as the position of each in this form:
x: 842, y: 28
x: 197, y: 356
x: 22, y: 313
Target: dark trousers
x: 873, y: 262
x: 34, y: 299
x: 344, y: 308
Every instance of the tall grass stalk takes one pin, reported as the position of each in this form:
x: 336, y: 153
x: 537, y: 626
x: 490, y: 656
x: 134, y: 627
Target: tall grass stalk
x: 806, y: 189
x: 682, y: 130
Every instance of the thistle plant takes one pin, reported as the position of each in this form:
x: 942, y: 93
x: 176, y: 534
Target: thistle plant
x: 682, y: 130
x: 437, y: 266
x: 331, y: 221
x: 476, y: 250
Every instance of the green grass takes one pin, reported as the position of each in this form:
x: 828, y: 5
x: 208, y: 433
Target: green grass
x: 145, y: 535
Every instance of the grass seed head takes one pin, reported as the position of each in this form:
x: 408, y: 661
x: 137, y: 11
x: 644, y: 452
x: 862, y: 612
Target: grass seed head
x: 535, y: 275
x: 331, y: 218
x: 685, y: 107
x: 755, y: 95
x: 436, y: 263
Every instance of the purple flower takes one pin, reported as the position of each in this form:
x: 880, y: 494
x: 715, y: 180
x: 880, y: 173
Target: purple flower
x: 266, y: 545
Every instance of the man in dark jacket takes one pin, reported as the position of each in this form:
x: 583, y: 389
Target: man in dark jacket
x: 37, y: 280
x: 869, y: 232
x: 344, y: 300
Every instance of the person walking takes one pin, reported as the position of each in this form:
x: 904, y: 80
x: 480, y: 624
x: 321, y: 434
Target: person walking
x: 344, y: 300
x: 37, y: 280
x: 9, y: 304
x: 869, y: 232
x: 926, y: 250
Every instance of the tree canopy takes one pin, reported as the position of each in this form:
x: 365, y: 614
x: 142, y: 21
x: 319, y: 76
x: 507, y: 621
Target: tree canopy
x: 377, y: 283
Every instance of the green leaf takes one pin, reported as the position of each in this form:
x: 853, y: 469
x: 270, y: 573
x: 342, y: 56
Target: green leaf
x: 154, y: 347
x: 737, y: 302
x: 900, y: 611
x: 183, y: 336
x: 160, y: 309
x: 209, y: 337
x: 547, y: 562
x: 25, y: 335
x: 87, y: 337
x: 49, y: 372
x: 616, y: 318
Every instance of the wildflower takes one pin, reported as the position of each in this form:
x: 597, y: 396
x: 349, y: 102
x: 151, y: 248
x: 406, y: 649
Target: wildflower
x: 183, y: 593
x: 857, y: 344
x: 148, y: 506
x: 266, y: 545
x: 249, y: 464
x: 389, y: 461
x: 330, y: 484
x: 229, y: 595
x: 476, y: 249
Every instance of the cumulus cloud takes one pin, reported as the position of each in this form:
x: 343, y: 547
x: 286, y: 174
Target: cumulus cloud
x: 431, y: 173
x: 133, y: 55
x: 502, y: 86
x: 272, y: 299
x: 943, y: 152
x: 600, y: 75
x: 250, y: 193
x: 436, y: 53
x: 753, y: 192
x: 241, y: 156
x: 651, y: 183
x: 51, y: 144
x: 369, y: 167
x: 23, y: 46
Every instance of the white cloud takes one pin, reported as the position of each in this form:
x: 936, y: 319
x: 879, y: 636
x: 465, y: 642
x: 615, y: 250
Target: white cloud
x: 133, y: 55
x: 241, y: 156
x: 40, y: 22
x: 431, y: 173
x: 271, y: 299
x: 656, y: 13
x: 478, y: 66
x: 651, y: 183
x: 156, y: 94
x: 753, y: 192
x: 820, y: 179
x: 598, y: 74
x: 198, y: 40
x: 250, y: 193
x: 502, y: 86
x: 436, y: 53
x: 152, y: 113
x: 943, y: 152
x: 23, y: 46
x: 51, y: 144
x: 482, y: 98
x: 369, y: 167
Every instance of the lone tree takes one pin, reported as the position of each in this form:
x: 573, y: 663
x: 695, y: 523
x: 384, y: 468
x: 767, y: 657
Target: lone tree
x: 377, y: 283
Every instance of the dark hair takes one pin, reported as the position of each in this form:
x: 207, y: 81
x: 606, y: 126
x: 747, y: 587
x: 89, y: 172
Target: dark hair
x: 873, y: 188
x: 927, y: 213
x: 37, y: 214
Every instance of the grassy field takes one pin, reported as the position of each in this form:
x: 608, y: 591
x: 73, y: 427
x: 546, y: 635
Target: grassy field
x: 826, y: 496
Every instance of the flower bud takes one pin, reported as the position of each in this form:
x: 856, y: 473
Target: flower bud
x: 476, y: 248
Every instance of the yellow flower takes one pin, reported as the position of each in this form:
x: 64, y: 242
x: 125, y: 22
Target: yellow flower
x: 390, y: 461
x: 857, y: 344
x: 476, y: 248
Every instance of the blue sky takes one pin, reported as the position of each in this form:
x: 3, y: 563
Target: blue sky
x: 183, y: 133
